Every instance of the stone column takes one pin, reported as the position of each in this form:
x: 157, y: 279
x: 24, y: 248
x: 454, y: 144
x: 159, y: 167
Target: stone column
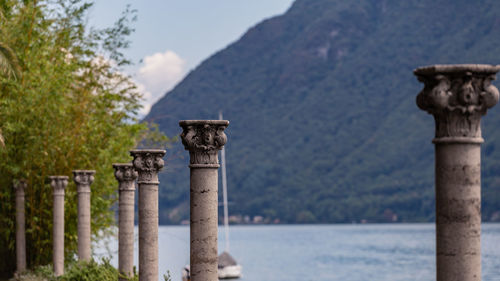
x: 20, y: 186
x: 148, y: 162
x: 83, y: 179
x: 125, y: 175
x: 58, y: 184
x: 203, y: 139
x: 457, y: 96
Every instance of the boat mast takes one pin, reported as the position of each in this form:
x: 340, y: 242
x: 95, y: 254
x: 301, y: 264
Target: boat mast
x: 224, y: 193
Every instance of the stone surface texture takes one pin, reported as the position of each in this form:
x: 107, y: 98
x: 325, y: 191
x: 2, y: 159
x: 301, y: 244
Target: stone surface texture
x: 148, y: 162
x: 126, y: 176
x: 457, y: 96
x: 58, y: 184
x: 83, y: 179
x: 203, y: 139
x: 20, y: 187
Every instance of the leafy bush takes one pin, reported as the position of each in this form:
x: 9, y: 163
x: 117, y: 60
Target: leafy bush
x: 77, y: 271
x: 81, y: 271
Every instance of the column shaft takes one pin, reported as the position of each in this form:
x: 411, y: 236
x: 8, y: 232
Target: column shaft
x: 58, y: 245
x: 20, y: 227
x: 125, y: 175
x: 204, y: 222
x: 84, y: 252
x: 147, y: 163
x: 458, y: 211
x: 126, y: 232
x: 58, y: 184
x: 83, y: 179
x: 148, y: 232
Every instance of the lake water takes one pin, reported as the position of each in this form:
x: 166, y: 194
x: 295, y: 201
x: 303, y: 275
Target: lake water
x: 369, y: 252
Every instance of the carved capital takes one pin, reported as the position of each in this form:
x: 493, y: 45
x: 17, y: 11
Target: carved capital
x: 203, y: 138
x: 58, y: 184
x: 125, y: 175
x: 20, y: 187
x: 148, y: 162
x: 457, y: 96
x: 83, y: 179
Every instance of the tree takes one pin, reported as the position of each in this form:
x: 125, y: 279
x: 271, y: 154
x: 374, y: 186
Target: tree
x: 64, y: 105
x: 9, y: 65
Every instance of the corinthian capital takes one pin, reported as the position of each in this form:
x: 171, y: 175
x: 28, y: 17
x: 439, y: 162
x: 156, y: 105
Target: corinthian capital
x: 20, y: 186
x: 148, y: 162
x: 124, y: 172
x: 457, y: 96
x: 203, y: 138
x: 58, y: 184
x: 83, y: 179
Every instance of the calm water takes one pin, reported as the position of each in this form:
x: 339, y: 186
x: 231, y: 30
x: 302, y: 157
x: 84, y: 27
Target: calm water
x: 376, y: 252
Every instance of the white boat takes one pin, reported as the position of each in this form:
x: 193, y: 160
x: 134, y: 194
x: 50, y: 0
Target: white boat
x: 228, y: 268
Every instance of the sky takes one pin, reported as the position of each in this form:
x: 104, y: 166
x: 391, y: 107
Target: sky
x: 173, y: 37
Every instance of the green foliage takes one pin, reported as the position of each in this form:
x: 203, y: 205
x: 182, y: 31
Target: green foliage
x: 81, y: 271
x: 321, y: 100
x: 91, y: 271
x: 70, y: 108
x: 77, y: 271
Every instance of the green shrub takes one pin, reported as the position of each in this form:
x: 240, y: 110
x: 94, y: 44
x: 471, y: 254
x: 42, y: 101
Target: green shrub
x: 77, y: 271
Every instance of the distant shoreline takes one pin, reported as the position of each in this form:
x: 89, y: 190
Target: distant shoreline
x: 337, y: 223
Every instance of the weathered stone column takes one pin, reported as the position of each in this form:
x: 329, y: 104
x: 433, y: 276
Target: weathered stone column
x: 203, y: 139
x: 125, y: 175
x: 20, y: 186
x: 58, y: 184
x: 457, y: 96
x: 83, y: 179
x: 148, y: 162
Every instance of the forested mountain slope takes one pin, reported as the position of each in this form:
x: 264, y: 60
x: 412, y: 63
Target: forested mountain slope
x: 321, y: 100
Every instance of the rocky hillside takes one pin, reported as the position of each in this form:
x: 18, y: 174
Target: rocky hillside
x: 321, y: 100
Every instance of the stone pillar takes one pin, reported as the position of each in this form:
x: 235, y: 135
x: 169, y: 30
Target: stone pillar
x: 457, y: 96
x: 148, y: 162
x: 20, y: 186
x: 58, y: 184
x: 83, y: 179
x: 203, y: 139
x: 125, y: 175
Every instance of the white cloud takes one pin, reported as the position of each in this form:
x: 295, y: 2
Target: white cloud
x: 146, y: 97
x: 160, y: 73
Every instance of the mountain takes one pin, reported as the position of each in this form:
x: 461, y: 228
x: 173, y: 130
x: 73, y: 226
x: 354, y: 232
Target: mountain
x: 324, y: 126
